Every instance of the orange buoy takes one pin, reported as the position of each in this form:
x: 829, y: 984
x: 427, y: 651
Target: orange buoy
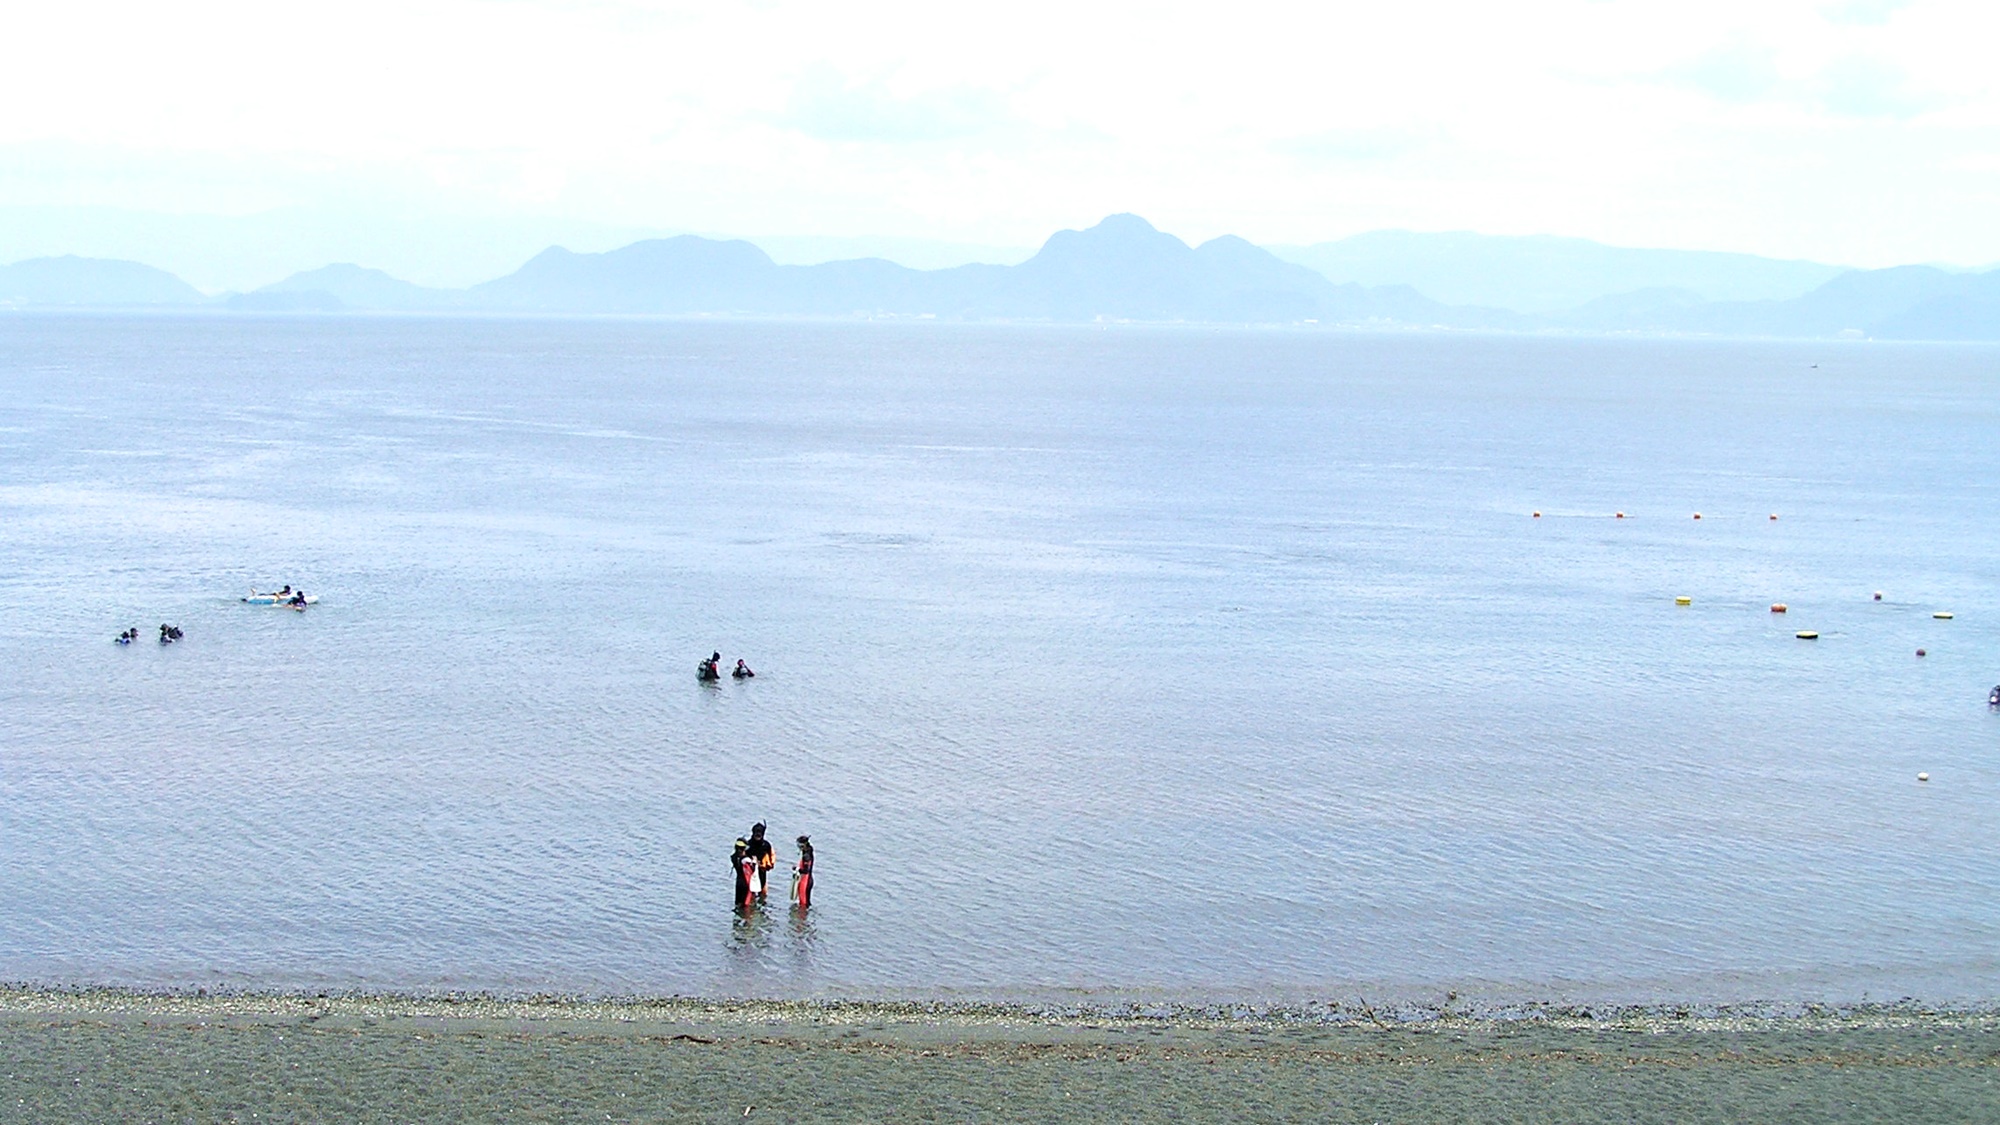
x: 1778, y: 607
x: 1621, y: 515
x: 1920, y: 652
x: 1697, y: 515
x: 1538, y: 515
x: 1878, y: 595
x: 1774, y: 515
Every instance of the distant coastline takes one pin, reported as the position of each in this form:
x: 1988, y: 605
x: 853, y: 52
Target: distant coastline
x: 1123, y: 270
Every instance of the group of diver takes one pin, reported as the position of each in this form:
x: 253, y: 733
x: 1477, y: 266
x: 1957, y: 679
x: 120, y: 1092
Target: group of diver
x: 710, y: 669
x: 752, y: 860
x: 168, y: 635
x: 288, y: 596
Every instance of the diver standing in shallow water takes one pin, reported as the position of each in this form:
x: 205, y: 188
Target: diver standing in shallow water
x: 740, y: 863
x: 760, y: 850
x: 802, y: 874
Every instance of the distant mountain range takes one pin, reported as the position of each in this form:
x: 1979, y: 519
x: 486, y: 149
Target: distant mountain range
x: 73, y: 281
x: 1546, y: 275
x: 1122, y: 269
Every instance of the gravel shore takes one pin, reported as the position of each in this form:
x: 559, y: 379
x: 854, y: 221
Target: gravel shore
x: 124, y: 1056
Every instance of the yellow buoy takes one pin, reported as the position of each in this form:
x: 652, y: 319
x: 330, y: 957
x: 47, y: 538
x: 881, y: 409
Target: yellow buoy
x: 1941, y: 615
x: 1683, y: 600
x: 1806, y: 635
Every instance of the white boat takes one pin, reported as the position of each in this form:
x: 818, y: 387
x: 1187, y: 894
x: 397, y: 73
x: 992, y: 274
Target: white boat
x: 255, y: 598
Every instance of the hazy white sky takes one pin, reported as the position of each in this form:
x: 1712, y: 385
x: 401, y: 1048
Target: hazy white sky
x: 1864, y: 132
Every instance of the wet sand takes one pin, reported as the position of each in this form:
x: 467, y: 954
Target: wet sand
x: 106, y: 1055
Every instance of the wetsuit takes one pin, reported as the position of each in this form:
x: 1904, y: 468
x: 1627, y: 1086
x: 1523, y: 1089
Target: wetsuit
x: 803, y: 881
x: 760, y: 850
x: 736, y: 865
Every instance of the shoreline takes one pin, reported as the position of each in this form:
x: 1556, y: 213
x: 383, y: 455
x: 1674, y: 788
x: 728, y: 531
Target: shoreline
x: 28, y: 999
x: 104, y: 1054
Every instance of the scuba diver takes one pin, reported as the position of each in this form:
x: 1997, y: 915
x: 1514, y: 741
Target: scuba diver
x: 705, y: 670
x: 802, y: 874
x: 298, y: 600
x: 740, y: 862
x: 169, y: 634
x: 741, y: 671
x: 1993, y: 697
x: 128, y: 636
x: 760, y: 850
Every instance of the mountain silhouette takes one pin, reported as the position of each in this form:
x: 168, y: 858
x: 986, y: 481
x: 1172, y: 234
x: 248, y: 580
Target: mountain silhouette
x: 73, y: 281
x: 1121, y: 269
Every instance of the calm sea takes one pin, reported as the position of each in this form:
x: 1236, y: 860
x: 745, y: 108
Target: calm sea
x: 1140, y: 662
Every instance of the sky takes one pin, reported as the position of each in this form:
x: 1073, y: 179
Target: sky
x: 1859, y: 132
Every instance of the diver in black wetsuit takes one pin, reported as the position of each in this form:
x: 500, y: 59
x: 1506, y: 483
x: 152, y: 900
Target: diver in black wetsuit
x: 760, y: 850
x: 736, y: 865
x: 741, y: 671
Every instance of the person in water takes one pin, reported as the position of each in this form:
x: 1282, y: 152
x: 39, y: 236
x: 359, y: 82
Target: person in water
x: 742, y: 670
x: 802, y: 874
x: 760, y: 850
x: 742, y: 870
x: 299, y: 600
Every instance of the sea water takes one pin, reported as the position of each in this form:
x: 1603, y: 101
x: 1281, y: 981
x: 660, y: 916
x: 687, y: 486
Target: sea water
x: 1126, y: 661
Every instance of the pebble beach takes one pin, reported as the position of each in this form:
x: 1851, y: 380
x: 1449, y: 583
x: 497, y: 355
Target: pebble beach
x: 171, y: 1057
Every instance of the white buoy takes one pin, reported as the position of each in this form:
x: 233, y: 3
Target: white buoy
x: 1923, y: 777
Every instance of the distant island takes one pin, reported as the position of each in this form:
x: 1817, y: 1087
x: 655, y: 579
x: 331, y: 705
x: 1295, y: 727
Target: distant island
x: 1125, y: 270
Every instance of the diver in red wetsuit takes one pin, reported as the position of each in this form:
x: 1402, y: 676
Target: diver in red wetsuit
x: 802, y: 875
